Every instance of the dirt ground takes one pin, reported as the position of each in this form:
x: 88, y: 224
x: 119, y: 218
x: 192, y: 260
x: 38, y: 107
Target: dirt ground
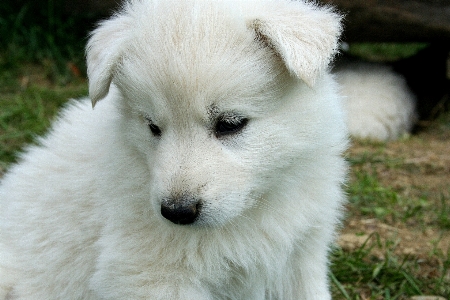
x: 416, y: 168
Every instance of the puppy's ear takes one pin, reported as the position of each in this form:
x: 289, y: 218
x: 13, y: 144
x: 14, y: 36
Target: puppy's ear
x: 304, y: 35
x: 103, y: 52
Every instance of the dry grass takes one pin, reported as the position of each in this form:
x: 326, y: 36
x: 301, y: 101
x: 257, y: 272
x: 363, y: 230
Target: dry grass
x: 396, y: 239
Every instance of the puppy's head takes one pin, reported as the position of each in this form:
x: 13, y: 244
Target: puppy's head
x: 208, y: 92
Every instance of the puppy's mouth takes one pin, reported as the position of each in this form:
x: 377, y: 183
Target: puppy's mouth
x: 183, y: 210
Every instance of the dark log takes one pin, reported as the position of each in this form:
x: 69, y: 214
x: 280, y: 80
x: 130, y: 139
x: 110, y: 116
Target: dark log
x: 395, y: 21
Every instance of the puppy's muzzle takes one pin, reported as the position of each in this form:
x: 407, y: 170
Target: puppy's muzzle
x: 183, y: 210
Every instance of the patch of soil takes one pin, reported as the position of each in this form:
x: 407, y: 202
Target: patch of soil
x: 415, y: 168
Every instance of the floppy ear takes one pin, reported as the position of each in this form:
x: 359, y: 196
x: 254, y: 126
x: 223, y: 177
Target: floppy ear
x: 304, y: 35
x: 103, y: 52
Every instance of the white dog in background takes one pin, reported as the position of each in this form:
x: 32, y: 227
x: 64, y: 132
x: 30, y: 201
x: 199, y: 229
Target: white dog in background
x: 378, y: 102
x: 211, y: 168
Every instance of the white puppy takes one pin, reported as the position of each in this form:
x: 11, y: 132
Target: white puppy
x: 379, y: 104
x: 212, y: 168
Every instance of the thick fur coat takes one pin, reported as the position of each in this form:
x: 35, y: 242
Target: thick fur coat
x: 211, y: 168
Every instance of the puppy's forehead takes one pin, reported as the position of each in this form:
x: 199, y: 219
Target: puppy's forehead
x: 196, y: 51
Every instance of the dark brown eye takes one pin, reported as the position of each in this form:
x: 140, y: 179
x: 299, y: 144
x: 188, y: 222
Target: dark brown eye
x: 156, y: 131
x: 229, y: 125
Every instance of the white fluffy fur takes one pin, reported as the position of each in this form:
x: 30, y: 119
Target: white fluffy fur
x: 80, y: 214
x: 378, y: 102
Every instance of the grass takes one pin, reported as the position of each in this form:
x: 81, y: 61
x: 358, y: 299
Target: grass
x: 443, y: 215
x: 385, y: 51
x: 41, y: 66
x: 365, y: 274
x: 37, y: 76
x: 371, y: 197
x: 40, y: 32
x: 27, y: 113
x: 378, y: 268
x: 368, y: 275
x: 375, y: 270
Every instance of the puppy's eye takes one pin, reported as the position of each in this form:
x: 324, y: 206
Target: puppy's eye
x: 156, y: 131
x: 229, y: 125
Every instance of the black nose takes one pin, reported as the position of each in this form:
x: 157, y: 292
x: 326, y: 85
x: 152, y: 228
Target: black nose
x: 181, y: 211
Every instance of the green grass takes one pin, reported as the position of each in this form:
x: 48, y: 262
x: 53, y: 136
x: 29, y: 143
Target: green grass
x: 41, y: 66
x: 368, y: 274
x: 40, y: 32
x: 371, y: 197
x: 366, y: 192
x: 362, y: 275
x: 385, y: 51
x: 27, y: 113
x: 443, y: 215
x: 375, y: 270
